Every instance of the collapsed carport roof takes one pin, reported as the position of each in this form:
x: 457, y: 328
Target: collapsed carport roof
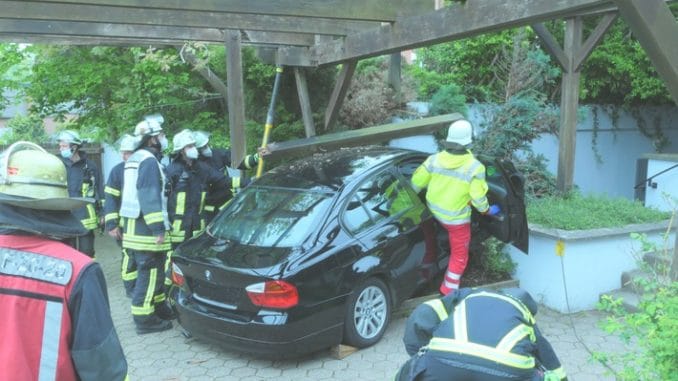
x: 322, y: 32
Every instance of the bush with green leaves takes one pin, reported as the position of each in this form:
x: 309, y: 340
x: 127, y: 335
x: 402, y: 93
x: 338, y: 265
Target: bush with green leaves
x: 25, y: 127
x: 653, y: 328
x: 575, y: 211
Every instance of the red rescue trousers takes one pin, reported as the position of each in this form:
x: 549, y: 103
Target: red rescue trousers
x: 460, y: 237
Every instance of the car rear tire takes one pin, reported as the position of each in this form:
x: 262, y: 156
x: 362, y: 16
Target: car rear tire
x: 368, y: 314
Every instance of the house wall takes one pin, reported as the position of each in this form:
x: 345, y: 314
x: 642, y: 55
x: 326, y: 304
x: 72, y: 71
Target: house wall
x: 606, y: 167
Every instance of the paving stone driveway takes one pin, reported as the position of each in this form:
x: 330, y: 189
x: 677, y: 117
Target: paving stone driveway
x: 169, y: 356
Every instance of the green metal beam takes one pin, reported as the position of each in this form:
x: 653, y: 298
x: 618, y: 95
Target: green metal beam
x: 363, y: 136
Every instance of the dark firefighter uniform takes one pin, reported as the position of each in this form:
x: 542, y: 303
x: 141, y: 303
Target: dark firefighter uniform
x: 84, y: 180
x: 112, y: 220
x: 476, y: 334
x: 144, y: 208
x: 189, y: 186
x: 221, y: 160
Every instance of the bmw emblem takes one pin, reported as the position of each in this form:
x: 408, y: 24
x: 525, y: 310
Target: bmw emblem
x: 208, y: 275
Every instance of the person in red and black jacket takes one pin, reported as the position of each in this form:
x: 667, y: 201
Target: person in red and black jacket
x: 56, y: 320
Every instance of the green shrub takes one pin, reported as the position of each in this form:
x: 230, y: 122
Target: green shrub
x: 579, y: 212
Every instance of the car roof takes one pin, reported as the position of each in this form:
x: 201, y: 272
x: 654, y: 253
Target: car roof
x: 329, y: 171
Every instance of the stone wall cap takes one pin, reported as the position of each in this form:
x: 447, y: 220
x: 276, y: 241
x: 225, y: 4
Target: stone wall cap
x: 572, y: 235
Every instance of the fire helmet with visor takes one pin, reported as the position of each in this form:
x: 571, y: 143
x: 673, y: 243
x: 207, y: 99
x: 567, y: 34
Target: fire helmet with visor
x: 33, y: 178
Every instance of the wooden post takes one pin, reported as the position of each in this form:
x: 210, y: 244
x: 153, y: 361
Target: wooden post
x: 304, y: 101
x: 339, y: 92
x: 236, y: 96
x: 394, y: 70
x: 568, y: 106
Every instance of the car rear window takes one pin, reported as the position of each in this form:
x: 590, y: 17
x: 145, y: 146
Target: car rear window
x: 271, y: 217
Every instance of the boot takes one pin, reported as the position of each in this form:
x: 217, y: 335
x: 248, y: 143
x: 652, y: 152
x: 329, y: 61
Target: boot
x: 151, y: 324
x: 164, y: 311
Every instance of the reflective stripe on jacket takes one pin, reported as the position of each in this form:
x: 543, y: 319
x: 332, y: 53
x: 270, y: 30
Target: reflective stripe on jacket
x: 454, y: 182
x: 84, y: 180
x: 144, y: 203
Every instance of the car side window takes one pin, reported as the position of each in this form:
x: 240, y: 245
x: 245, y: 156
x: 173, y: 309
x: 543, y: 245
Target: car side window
x: 378, y: 198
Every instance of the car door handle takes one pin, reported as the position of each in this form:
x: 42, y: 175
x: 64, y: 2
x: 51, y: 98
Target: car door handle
x: 388, y: 234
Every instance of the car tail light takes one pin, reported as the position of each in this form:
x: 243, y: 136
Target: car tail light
x: 177, y: 275
x: 273, y: 294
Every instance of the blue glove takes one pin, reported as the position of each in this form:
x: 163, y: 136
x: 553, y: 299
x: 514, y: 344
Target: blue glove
x: 493, y: 210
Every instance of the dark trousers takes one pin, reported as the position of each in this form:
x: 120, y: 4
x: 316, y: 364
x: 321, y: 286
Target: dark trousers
x: 430, y: 368
x: 148, y: 288
x: 83, y: 243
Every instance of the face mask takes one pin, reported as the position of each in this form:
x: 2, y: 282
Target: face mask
x: 163, y: 143
x: 66, y: 153
x: 207, y: 152
x: 192, y: 153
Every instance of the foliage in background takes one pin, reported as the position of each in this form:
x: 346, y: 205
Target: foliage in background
x: 575, y: 211
x: 448, y: 99
x: 111, y: 88
x: 370, y: 100
x: 489, y: 258
x: 25, y: 127
x: 653, y: 329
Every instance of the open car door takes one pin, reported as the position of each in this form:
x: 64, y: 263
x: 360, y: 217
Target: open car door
x: 506, y: 189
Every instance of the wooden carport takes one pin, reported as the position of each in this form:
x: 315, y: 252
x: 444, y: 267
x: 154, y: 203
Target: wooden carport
x: 307, y: 34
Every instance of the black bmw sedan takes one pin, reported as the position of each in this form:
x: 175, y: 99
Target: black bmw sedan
x: 320, y: 251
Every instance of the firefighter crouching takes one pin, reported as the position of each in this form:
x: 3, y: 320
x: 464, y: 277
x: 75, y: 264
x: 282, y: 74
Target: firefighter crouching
x: 478, y: 334
x: 84, y: 180
x: 56, y: 321
x: 146, y: 226
x: 112, y: 221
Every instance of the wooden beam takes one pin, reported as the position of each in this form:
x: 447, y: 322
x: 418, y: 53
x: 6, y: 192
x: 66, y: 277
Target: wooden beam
x: 655, y: 27
x: 363, y: 136
x: 375, y: 10
x: 47, y: 11
x: 450, y: 23
x: 304, y: 101
x: 279, y: 38
x: 339, y: 93
x: 594, y: 39
x: 550, y: 44
x: 69, y: 29
x: 569, y: 104
x: 236, y: 96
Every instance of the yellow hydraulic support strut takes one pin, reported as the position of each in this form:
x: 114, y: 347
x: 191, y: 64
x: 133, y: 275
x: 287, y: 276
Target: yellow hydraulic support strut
x: 269, y: 117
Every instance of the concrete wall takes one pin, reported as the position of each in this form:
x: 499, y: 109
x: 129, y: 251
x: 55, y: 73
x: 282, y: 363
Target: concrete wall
x: 619, y: 145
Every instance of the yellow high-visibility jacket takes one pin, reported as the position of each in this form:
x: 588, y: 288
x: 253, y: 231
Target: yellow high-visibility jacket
x: 454, y: 182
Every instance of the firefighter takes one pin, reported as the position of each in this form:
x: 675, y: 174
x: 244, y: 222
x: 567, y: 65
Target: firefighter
x: 56, y: 320
x: 84, y: 180
x: 112, y: 193
x: 189, y: 182
x: 455, y: 181
x: 478, y: 335
x: 220, y: 159
x: 145, y: 231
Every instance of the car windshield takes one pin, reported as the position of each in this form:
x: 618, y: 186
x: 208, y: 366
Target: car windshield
x: 270, y: 216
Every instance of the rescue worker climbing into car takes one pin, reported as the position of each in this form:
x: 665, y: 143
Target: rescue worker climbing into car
x: 113, y: 223
x: 455, y: 181
x: 84, y: 180
x: 56, y: 319
x: 220, y: 159
x: 474, y: 334
x: 145, y: 233
x: 189, y: 182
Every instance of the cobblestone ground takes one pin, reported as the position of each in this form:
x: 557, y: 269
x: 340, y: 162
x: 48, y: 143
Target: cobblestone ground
x: 169, y: 356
